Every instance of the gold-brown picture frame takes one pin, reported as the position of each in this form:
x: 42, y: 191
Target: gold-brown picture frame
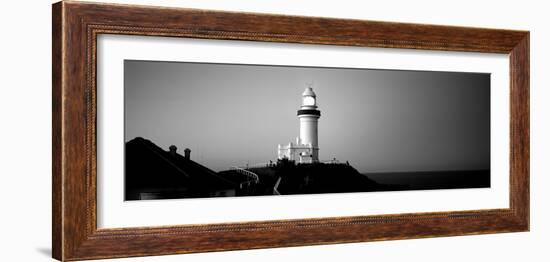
x: 75, y: 29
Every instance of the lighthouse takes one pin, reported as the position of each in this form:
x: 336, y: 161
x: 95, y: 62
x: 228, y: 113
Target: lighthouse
x: 306, y: 148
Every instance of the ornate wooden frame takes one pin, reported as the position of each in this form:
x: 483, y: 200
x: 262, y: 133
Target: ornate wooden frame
x: 76, y: 26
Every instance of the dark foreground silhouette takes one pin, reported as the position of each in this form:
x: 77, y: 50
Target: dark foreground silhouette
x: 153, y: 173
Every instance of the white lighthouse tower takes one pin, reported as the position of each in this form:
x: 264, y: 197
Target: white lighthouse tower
x: 306, y: 149
x: 309, y: 116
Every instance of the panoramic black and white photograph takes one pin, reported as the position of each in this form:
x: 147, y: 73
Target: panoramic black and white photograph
x: 198, y: 130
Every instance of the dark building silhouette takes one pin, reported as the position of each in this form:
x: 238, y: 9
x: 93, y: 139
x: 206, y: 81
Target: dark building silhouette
x: 152, y: 173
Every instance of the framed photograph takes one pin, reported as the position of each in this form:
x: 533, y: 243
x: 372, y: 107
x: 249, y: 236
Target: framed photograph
x: 183, y: 130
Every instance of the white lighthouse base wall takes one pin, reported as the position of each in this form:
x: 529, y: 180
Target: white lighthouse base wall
x: 299, y: 153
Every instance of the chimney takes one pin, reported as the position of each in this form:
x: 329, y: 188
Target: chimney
x: 187, y: 153
x: 173, y: 150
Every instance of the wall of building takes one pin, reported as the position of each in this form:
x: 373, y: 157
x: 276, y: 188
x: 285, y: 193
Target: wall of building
x: 25, y: 153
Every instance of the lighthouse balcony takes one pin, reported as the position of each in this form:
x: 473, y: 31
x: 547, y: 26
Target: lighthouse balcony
x: 313, y: 112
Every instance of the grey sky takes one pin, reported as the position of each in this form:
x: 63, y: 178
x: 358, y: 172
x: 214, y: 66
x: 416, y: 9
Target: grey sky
x: 378, y: 120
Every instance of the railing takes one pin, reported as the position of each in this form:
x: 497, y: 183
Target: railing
x: 258, y: 165
x: 271, y: 164
x: 254, y: 177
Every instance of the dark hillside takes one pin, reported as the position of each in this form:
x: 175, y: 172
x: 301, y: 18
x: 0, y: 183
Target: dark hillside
x: 319, y: 178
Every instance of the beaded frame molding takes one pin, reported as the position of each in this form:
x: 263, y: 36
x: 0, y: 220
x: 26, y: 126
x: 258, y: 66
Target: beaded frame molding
x: 75, y: 28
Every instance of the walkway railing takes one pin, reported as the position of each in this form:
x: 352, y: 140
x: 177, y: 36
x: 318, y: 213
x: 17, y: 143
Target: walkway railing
x: 331, y: 161
x: 258, y: 165
x: 254, y: 177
